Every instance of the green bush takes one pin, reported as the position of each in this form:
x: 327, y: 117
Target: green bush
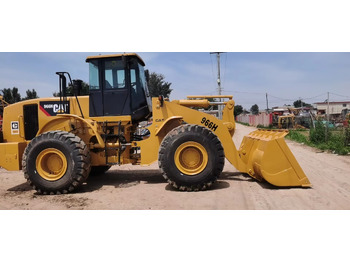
x: 347, y: 136
x: 337, y: 142
x: 318, y: 134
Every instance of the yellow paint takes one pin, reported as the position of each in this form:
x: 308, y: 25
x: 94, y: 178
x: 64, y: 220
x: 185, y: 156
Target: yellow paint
x: 204, y: 103
x: 268, y: 157
x: 167, y: 122
x: 115, y: 56
x: 191, y: 158
x: 51, y: 164
x: 11, y: 155
x: 287, y: 118
x: 206, y: 97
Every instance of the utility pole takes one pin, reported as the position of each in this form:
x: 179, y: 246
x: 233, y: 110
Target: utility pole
x: 220, y: 107
x: 267, y: 104
x: 327, y: 124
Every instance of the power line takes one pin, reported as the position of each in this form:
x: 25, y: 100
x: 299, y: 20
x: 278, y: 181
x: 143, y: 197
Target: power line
x: 280, y: 98
x: 339, y: 95
x: 244, y: 92
x: 308, y: 98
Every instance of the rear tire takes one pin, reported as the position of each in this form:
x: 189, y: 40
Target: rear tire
x: 191, y: 158
x: 56, y: 162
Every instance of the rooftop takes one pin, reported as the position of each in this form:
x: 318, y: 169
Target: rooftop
x: 115, y: 56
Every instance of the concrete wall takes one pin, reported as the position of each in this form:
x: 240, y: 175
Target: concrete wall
x: 263, y: 119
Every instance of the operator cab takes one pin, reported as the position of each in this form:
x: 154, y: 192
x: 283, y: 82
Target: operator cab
x: 118, y: 86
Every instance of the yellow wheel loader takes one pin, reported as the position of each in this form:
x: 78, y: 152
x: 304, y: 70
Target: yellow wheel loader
x: 58, y: 142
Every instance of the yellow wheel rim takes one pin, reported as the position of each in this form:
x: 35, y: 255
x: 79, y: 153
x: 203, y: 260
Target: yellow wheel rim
x: 51, y: 164
x: 191, y: 158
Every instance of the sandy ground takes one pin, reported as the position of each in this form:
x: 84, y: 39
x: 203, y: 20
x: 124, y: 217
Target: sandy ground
x: 139, y: 188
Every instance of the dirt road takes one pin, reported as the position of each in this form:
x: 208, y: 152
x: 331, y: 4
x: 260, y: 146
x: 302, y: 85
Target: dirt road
x: 129, y: 187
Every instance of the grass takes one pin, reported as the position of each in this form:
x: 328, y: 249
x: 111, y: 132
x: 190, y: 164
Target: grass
x: 299, y: 136
x: 245, y: 124
x: 336, y: 143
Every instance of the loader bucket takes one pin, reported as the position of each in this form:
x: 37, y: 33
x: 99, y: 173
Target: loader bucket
x: 268, y: 157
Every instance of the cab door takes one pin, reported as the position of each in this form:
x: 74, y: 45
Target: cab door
x: 115, y: 84
x: 109, y: 88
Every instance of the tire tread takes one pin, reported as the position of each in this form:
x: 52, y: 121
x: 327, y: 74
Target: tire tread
x: 80, y: 152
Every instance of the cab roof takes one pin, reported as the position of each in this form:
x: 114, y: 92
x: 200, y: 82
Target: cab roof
x: 89, y: 58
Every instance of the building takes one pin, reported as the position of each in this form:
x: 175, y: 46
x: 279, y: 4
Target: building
x: 335, y: 108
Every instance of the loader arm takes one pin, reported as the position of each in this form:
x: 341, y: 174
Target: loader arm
x: 263, y: 154
x: 169, y: 110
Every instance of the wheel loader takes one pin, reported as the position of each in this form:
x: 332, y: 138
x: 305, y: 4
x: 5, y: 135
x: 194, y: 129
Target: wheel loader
x: 59, y: 141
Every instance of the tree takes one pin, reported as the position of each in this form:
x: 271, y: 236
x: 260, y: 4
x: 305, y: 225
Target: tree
x: 11, y: 95
x: 300, y: 103
x: 254, y: 109
x: 245, y: 111
x: 85, y: 90
x: 238, y: 110
x: 31, y: 94
x: 157, y: 86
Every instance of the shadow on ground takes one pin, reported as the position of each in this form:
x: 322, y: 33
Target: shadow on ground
x: 237, y: 176
x: 217, y: 186
x: 21, y: 188
x: 129, y: 178
x: 122, y: 179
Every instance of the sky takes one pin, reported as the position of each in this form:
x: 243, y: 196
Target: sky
x: 248, y: 76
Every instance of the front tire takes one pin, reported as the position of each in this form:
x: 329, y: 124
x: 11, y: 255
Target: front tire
x: 191, y: 158
x: 56, y: 162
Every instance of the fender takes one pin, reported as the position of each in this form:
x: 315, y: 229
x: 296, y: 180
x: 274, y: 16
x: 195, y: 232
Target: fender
x: 170, y: 121
x: 61, y: 119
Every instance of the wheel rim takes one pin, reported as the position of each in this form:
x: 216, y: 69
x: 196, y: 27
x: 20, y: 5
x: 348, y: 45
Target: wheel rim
x: 51, y: 164
x: 191, y: 158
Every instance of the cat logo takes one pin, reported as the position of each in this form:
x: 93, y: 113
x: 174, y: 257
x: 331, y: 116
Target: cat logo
x: 50, y: 108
